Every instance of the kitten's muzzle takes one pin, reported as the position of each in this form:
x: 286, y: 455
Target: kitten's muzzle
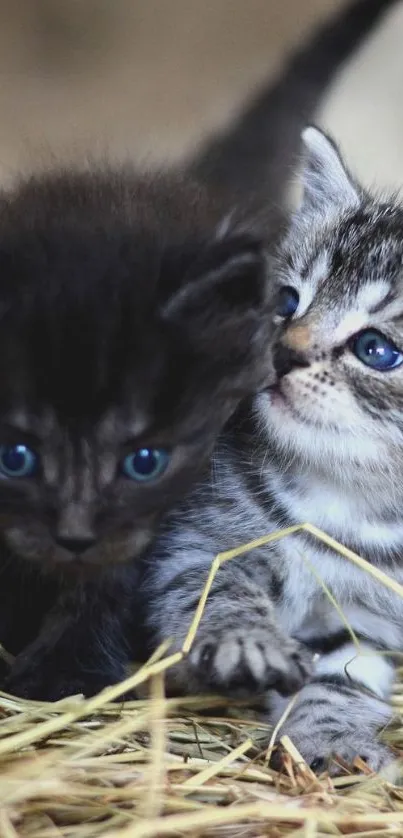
x: 77, y: 546
x: 286, y: 360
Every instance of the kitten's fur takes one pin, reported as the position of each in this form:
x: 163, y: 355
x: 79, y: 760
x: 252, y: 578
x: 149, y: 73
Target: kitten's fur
x: 324, y: 446
x: 123, y: 312
x: 133, y: 312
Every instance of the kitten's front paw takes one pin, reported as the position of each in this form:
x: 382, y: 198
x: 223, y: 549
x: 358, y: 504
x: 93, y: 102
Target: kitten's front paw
x: 36, y: 687
x: 249, y: 661
x: 322, y: 750
x: 53, y: 677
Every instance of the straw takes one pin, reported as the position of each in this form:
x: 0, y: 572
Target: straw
x: 153, y: 767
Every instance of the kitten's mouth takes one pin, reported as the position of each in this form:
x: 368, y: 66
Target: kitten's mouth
x: 280, y: 400
x: 277, y: 396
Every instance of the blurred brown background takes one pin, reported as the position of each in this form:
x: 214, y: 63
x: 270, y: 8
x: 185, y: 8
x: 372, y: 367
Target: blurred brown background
x: 147, y: 77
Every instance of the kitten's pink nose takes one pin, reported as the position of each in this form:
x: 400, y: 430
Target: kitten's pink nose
x: 75, y: 545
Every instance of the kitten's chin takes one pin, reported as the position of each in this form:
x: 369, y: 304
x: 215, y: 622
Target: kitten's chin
x: 277, y: 398
x: 279, y: 404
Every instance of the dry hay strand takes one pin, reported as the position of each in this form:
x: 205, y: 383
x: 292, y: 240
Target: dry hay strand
x: 154, y: 767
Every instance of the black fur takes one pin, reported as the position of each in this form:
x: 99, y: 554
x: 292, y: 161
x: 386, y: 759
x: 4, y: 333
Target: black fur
x: 122, y: 315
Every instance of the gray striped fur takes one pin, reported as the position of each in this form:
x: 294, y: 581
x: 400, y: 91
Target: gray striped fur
x: 325, y: 446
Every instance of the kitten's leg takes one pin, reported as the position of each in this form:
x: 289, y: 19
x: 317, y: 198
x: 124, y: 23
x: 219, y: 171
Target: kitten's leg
x: 81, y: 647
x: 239, y: 646
x: 24, y: 598
x: 341, y: 711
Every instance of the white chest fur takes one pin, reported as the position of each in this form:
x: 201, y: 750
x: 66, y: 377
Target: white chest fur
x: 316, y: 575
x: 340, y: 511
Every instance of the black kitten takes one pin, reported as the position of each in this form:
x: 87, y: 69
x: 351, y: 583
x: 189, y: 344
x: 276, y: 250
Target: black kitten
x: 133, y: 320
x: 130, y: 329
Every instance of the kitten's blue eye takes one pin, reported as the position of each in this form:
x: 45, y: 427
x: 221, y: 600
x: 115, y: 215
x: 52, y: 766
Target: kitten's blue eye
x: 287, y: 301
x: 17, y: 461
x: 145, y: 464
x: 375, y: 350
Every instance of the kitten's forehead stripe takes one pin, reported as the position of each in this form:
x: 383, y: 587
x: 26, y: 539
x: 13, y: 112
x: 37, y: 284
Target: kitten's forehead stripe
x: 38, y: 425
x: 116, y: 425
x: 19, y: 420
x: 369, y: 248
x: 319, y: 271
x: 359, y: 263
x: 22, y: 421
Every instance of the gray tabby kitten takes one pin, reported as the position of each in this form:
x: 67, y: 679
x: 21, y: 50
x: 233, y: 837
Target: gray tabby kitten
x: 324, y: 445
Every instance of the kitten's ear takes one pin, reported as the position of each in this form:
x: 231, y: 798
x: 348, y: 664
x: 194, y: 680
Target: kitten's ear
x: 325, y: 179
x: 222, y: 305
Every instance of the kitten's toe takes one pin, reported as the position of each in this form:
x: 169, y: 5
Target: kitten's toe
x: 297, y: 673
x: 250, y: 661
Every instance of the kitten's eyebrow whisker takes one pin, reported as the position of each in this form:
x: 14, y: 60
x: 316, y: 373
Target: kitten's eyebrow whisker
x: 377, y: 307
x: 19, y: 420
x: 19, y: 430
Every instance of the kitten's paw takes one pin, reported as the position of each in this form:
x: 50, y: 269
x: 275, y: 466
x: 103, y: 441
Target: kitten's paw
x: 47, y: 680
x: 36, y: 688
x: 249, y: 661
x: 325, y: 751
